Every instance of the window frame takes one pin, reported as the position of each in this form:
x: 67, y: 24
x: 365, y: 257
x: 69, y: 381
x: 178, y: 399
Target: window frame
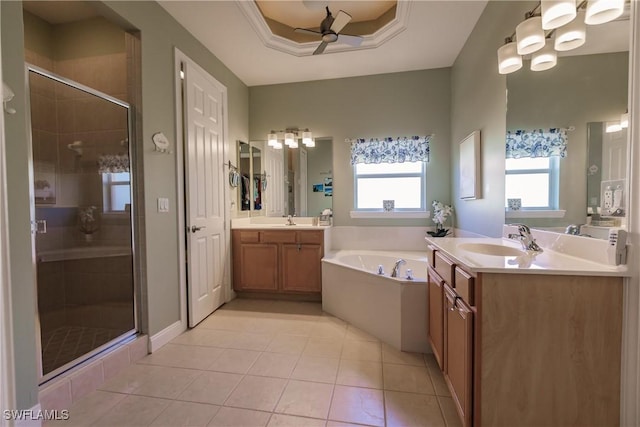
x: 553, y: 171
x: 107, y: 185
x: 423, y: 187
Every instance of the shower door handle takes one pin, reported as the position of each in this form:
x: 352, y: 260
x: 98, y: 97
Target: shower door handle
x: 39, y: 226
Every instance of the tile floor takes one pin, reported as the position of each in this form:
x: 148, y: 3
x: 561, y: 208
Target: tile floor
x: 272, y: 363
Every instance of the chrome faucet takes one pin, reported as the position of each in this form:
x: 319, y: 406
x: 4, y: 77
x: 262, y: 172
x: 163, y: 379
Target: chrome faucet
x: 524, y: 236
x: 396, y: 268
x: 290, y: 220
x: 573, y: 229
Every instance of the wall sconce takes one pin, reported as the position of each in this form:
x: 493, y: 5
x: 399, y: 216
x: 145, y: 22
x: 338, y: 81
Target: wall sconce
x: 563, y: 18
x: 290, y: 138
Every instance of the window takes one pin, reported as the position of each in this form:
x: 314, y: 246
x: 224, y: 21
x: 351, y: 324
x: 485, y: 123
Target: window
x: 533, y: 180
x: 402, y: 182
x: 116, y: 191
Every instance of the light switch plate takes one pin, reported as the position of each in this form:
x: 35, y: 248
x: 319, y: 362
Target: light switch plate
x: 163, y: 205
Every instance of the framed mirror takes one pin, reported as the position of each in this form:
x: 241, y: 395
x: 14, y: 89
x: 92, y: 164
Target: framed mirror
x: 252, y: 177
x: 244, y: 167
x: 564, y: 106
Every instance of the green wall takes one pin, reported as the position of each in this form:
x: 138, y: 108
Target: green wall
x: 397, y: 104
x: 160, y: 33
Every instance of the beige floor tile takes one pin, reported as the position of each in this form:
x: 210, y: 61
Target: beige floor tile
x: 183, y: 356
x: 289, y: 344
x: 235, y: 361
x: 152, y: 381
x: 451, y: 417
x: 323, y: 347
x: 130, y: 378
x: 211, y: 387
x: 409, y: 409
x: 360, y: 373
x: 207, y: 337
x: 391, y: 355
x: 437, y: 377
x: 306, y: 399
x: 88, y: 409
x: 133, y: 411
x: 357, y: 334
x: 280, y: 420
x: 250, y: 341
x: 274, y: 365
x: 185, y: 414
x: 318, y: 369
x: 341, y: 424
x: 260, y: 393
x: 301, y: 327
x: 412, y: 379
x: 223, y: 322
x: 328, y: 329
x: 357, y: 405
x: 362, y: 350
x: 307, y: 309
x: 235, y: 417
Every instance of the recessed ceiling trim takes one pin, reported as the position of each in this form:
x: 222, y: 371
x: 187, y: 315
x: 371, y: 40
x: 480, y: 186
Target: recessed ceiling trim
x: 256, y: 20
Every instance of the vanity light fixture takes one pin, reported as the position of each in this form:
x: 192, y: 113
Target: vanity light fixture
x: 529, y: 34
x: 601, y: 11
x: 573, y: 35
x: 613, y: 127
x: 307, y: 137
x: 508, y: 58
x: 545, y: 58
x: 290, y: 136
x: 556, y: 13
x: 272, y: 139
x: 289, y: 139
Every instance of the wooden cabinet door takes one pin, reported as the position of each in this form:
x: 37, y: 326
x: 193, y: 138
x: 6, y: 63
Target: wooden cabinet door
x: 459, y: 353
x: 256, y: 268
x: 301, y: 268
x: 436, y: 317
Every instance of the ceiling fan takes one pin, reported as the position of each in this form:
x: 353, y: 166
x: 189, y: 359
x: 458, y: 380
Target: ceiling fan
x: 330, y: 28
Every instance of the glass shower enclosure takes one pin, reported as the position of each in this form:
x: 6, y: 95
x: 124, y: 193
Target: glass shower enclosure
x: 82, y: 220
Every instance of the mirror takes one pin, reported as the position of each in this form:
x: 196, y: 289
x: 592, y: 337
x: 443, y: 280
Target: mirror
x: 584, y: 90
x: 256, y: 178
x: 252, y: 178
x: 244, y: 167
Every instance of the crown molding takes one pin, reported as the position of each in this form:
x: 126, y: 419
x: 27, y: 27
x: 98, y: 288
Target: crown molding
x: 389, y: 31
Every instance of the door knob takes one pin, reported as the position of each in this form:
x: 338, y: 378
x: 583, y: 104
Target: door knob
x: 195, y: 228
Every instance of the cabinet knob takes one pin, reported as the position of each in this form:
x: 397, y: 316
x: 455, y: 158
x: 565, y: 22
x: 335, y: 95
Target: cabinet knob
x: 453, y: 304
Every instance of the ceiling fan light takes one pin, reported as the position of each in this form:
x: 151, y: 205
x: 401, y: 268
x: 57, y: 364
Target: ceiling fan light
x: 508, y: 59
x: 545, y: 58
x: 307, y: 137
x: 573, y: 35
x: 289, y: 138
x: 556, y: 13
x: 624, y: 120
x: 601, y: 11
x: 272, y: 139
x: 530, y: 35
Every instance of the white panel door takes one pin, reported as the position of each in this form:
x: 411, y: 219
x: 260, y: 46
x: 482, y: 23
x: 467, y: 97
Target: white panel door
x: 204, y: 192
x: 614, y: 155
x: 274, y: 166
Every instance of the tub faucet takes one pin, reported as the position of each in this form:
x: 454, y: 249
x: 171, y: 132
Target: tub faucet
x: 573, y: 229
x: 396, y: 268
x: 524, y: 236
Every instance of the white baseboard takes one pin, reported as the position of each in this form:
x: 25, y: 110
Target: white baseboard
x: 167, y: 334
x: 27, y: 422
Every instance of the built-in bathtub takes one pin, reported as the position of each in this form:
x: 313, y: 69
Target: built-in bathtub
x: 391, y: 309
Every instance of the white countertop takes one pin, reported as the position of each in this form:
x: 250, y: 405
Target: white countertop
x: 548, y: 262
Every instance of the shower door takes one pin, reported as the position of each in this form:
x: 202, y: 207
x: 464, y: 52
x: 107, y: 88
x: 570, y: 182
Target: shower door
x: 82, y: 220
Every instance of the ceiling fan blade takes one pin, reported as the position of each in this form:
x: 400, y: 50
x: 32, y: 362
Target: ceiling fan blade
x: 341, y: 19
x: 350, y: 40
x: 308, y: 32
x: 320, y: 48
x: 314, y: 4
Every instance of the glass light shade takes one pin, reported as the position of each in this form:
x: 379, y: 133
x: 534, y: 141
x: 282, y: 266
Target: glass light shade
x: 573, y: 35
x: 311, y: 143
x: 530, y: 35
x: 278, y: 146
x: 613, y: 127
x: 508, y: 59
x: 289, y: 138
x: 601, y: 11
x: 293, y: 144
x: 272, y: 139
x: 545, y: 58
x: 306, y: 137
x: 624, y: 120
x: 556, y: 13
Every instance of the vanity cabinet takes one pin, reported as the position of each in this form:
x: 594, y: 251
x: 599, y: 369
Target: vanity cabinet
x: 278, y: 261
x: 527, y: 348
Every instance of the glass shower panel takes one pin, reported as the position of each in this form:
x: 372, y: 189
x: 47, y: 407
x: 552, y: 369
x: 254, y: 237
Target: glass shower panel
x: 83, y: 227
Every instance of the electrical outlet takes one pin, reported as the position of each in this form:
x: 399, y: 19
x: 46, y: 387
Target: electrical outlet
x: 163, y: 205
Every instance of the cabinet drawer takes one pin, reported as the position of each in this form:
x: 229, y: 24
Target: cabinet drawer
x: 310, y: 237
x: 444, y: 267
x: 431, y: 253
x: 249, y: 236
x: 277, y: 236
x: 465, y: 286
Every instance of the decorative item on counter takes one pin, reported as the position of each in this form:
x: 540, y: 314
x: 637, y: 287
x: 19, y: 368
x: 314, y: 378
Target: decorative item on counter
x: 388, y: 205
x: 325, y: 217
x: 514, y: 204
x: 88, y: 222
x: 440, y: 214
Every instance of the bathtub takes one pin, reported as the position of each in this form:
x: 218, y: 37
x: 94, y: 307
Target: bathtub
x: 391, y: 309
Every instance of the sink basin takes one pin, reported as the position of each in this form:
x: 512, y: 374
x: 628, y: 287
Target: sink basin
x: 490, y: 249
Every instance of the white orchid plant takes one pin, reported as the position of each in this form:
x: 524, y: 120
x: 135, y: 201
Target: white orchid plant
x: 440, y: 214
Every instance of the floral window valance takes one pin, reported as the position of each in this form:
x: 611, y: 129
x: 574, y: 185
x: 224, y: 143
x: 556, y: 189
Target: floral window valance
x: 113, y: 163
x: 390, y: 150
x: 536, y: 143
